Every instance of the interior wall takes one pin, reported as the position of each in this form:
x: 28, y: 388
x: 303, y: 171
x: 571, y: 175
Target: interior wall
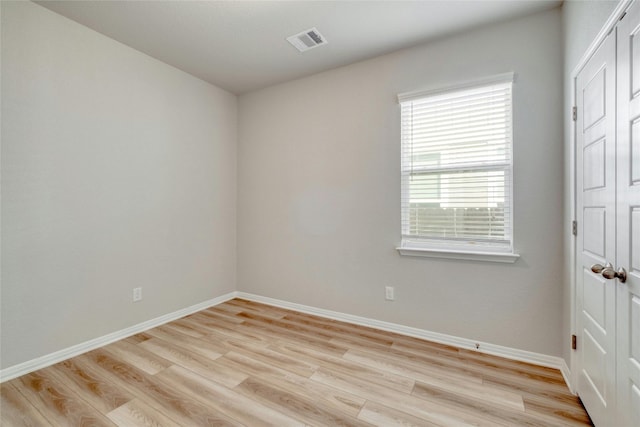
x: 319, y: 192
x: 581, y: 23
x: 118, y: 171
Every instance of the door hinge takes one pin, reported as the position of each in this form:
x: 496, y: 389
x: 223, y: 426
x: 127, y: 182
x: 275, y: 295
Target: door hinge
x: 574, y: 228
x: 574, y: 112
x: 574, y: 342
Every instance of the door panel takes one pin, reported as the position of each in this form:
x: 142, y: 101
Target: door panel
x: 595, y: 220
x: 634, y: 52
x: 635, y: 338
x: 594, y: 297
x: 596, y: 172
x: 635, y: 152
x: 628, y: 218
x: 634, y: 264
x: 595, y: 99
x: 594, y: 367
x: 635, y: 404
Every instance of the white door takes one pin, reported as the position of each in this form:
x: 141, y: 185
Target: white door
x: 628, y: 218
x: 596, y: 244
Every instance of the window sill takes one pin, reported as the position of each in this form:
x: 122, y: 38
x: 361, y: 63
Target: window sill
x: 504, y: 257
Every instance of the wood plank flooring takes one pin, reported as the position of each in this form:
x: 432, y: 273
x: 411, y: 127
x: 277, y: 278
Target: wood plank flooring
x: 244, y: 363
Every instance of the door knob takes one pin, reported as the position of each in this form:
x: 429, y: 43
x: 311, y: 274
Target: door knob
x: 597, y: 268
x: 621, y: 274
x: 608, y: 272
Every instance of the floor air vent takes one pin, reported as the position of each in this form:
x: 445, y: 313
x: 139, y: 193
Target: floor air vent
x: 307, y: 40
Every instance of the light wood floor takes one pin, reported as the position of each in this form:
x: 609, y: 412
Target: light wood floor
x: 244, y: 363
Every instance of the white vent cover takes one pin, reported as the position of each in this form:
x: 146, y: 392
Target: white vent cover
x: 307, y: 39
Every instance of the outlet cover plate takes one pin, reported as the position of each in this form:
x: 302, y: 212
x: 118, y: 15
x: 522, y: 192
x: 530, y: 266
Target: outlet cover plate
x: 137, y: 294
x: 389, y: 293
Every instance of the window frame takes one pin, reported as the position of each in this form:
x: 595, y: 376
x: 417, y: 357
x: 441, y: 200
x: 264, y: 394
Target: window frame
x: 449, y: 248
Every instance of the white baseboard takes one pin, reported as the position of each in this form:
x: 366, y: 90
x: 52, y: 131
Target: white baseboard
x: 496, y: 350
x: 566, y: 374
x: 58, y: 356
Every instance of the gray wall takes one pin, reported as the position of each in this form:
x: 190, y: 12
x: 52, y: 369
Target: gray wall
x: 582, y: 20
x: 118, y: 171
x: 319, y: 192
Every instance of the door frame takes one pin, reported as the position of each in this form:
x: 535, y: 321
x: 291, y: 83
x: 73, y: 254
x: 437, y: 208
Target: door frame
x: 571, y: 374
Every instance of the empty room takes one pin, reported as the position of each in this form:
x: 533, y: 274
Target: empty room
x: 319, y: 213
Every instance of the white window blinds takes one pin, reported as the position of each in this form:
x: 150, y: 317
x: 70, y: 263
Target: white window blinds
x: 457, y: 168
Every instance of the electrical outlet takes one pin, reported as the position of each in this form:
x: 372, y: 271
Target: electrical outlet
x: 389, y: 293
x: 137, y: 294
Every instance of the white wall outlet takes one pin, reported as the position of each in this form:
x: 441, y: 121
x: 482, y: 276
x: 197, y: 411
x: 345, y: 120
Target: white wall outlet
x: 137, y: 294
x: 389, y: 293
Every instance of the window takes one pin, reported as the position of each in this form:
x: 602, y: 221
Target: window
x: 457, y: 170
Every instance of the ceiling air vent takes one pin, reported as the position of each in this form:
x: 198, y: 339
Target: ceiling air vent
x: 307, y: 40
